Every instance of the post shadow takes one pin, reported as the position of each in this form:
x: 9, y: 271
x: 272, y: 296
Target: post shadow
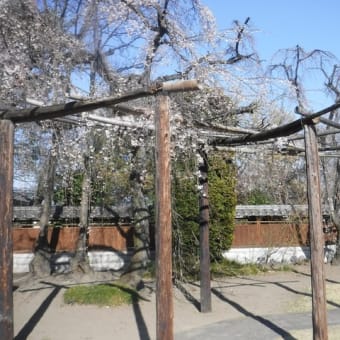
x: 141, y: 325
x: 36, y: 317
x: 188, y: 296
x: 297, y: 292
x: 280, y: 331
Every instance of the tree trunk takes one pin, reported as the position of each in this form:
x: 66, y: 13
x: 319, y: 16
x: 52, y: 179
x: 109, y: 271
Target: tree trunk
x: 141, y: 255
x: 41, y: 262
x: 80, y: 260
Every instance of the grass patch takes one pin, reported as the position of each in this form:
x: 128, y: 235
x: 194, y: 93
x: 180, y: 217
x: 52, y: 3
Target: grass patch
x: 285, y: 268
x: 100, y: 295
x: 232, y: 268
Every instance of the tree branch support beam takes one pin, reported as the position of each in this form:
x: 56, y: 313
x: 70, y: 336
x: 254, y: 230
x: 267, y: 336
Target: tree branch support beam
x: 6, y: 241
x: 164, y: 299
x: 74, y: 107
x: 319, y: 312
x: 205, y: 291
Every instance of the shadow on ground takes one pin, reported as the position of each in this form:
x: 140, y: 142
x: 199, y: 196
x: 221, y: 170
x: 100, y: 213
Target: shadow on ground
x: 34, y: 320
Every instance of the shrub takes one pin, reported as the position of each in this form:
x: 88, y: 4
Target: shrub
x: 222, y: 201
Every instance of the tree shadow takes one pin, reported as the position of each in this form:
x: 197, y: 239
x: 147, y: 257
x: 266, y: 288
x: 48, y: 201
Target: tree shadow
x: 303, y: 293
x: 306, y: 274
x: 292, y: 290
x: 280, y: 331
x: 36, y: 317
x: 238, y: 284
x: 263, y: 283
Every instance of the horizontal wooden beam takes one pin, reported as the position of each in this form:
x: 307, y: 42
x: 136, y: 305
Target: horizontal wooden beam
x: 73, y: 107
x: 280, y: 131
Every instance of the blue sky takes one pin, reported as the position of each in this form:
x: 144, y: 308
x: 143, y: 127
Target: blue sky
x: 312, y: 24
x: 281, y: 24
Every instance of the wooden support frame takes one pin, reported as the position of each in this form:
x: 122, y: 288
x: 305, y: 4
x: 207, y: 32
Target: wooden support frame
x: 164, y: 300
x: 6, y: 241
x: 60, y: 110
x: 7, y: 118
x: 164, y: 303
x: 205, y: 286
x: 319, y: 310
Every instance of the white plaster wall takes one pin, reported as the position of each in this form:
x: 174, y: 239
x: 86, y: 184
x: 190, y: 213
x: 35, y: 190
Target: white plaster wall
x: 21, y: 262
x: 98, y: 260
x: 106, y: 260
x: 276, y: 255
x: 268, y: 255
x: 109, y: 260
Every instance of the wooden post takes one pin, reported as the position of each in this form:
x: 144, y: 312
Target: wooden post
x: 205, y: 291
x: 6, y: 242
x: 164, y: 301
x: 319, y: 312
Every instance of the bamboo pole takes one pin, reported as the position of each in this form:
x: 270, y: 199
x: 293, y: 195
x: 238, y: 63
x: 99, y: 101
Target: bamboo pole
x: 164, y: 301
x: 319, y: 311
x: 6, y: 241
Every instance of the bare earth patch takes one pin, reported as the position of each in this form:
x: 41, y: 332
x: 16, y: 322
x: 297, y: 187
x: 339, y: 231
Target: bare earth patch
x: 307, y: 334
x: 304, y: 303
x: 41, y: 314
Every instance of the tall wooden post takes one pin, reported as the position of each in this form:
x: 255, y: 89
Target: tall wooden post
x: 164, y: 300
x: 6, y: 242
x: 319, y: 312
x: 205, y: 292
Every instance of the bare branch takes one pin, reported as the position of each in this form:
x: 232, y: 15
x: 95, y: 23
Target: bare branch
x: 240, y: 35
x: 222, y: 128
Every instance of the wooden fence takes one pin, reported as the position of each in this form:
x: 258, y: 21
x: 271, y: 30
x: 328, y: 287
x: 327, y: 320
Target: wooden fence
x: 120, y: 237
x: 108, y: 237
x: 275, y: 234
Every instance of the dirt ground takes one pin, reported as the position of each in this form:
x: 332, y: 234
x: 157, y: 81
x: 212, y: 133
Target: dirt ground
x: 40, y: 313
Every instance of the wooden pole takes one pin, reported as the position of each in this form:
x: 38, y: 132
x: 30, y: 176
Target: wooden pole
x: 6, y: 216
x: 319, y: 311
x: 205, y: 291
x: 164, y: 301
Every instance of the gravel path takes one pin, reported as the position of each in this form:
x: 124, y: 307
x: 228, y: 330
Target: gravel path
x: 258, y: 301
